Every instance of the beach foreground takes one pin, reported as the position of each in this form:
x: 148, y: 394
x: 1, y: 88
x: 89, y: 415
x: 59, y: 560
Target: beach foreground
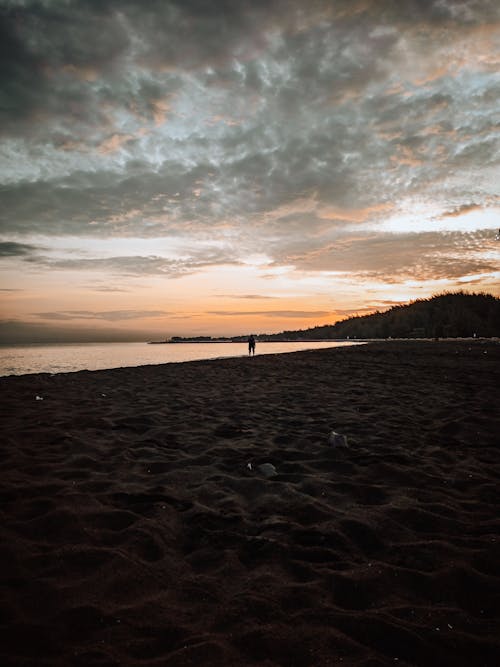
x: 138, y: 529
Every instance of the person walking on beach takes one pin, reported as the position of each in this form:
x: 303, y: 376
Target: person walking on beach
x: 251, y: 344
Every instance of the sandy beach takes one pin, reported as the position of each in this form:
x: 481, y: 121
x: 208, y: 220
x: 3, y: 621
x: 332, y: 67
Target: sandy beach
x: 139, y: 528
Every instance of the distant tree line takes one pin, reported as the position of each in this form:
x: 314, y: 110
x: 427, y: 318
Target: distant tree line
x: 457, y: 314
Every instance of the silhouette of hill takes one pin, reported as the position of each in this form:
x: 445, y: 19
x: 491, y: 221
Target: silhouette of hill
x: 458, y: 314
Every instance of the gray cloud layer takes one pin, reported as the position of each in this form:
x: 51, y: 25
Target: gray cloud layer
x: 217, y: 119
x: 109, y: 316
x: 127, y: 265
x: 272, y: 313
x: 13, y: 249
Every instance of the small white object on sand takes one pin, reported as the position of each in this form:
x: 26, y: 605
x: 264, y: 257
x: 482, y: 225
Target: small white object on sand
x: 337, y: 440
x: 267, y: 469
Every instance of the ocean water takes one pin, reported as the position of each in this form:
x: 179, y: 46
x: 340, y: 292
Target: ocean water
x: 70, y: 357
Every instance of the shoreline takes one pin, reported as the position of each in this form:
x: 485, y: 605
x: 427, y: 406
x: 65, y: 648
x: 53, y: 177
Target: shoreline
x: 69, y: 366
x: 139, y: 527
x: 58, y: 359
x: 243, y: 341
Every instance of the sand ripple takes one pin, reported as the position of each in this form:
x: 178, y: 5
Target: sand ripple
x: 138, y: 528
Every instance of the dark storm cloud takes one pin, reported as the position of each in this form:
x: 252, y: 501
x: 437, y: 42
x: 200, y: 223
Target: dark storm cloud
x: 81, y: 41
x: 88, y: 203
x: 50, y: 50
x: 13, y: 249
x: 39, y: 40
x: 157, y: 118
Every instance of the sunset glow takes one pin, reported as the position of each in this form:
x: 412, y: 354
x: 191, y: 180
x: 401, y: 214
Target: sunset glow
x: 157, y: 179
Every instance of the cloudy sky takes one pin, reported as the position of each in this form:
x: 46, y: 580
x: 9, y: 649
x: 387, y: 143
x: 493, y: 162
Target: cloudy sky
x: 226, y: 166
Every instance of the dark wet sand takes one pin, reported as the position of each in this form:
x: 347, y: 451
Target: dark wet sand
x: 134, y: 532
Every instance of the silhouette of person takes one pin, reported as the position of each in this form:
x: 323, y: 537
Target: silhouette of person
x: 251, y: 344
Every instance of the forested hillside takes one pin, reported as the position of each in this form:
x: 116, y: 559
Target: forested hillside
x: 445, y: 315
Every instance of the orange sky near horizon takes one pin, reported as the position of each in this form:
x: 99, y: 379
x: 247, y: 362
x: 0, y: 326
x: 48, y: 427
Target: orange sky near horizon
x: 254, y: 296
x: 157, y: 179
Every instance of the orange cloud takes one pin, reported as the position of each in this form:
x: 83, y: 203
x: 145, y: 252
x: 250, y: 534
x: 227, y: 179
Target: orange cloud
x: 354, y: 214
x: 434, y: 130
x: 82, y: 73
x: 160, y: 109
x: 214, y: 120
x: 271, y: 313
x: 406, y: 156
x: 114, y: 142
x: 433, y: 75
x: 299, y: 205
x: 479, y: 50
x: 74, y: 146
x: 123, y: 217
x: 461, y: 210
x: 396, y: 89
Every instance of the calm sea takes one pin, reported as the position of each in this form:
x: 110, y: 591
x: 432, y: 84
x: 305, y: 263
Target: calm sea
x: 69, y: 357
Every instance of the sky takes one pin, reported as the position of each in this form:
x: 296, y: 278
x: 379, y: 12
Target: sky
x: 220, y: 167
